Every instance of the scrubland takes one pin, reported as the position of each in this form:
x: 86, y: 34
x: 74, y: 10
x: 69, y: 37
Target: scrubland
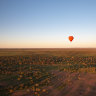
x: 48, y: 72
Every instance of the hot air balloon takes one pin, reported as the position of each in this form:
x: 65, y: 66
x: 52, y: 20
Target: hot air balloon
x: 71, y: 38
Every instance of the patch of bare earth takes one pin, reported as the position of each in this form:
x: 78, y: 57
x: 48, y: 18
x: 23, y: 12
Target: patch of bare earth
x: 72, y: 84
x: 68, y: 84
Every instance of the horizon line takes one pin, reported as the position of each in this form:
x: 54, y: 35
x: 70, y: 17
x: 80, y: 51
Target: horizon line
x: 54, y: 48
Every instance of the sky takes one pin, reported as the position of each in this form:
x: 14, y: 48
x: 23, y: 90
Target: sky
x: 47, y: 23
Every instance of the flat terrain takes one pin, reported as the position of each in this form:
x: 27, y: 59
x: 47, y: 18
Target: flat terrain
x: 48, y: 72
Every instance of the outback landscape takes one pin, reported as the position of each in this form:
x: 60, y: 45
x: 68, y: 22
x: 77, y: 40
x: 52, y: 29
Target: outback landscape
x: 47, y: 47
x: 48, y: 72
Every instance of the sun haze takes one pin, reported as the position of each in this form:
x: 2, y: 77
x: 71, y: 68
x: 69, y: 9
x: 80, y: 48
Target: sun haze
x: 47, y: 23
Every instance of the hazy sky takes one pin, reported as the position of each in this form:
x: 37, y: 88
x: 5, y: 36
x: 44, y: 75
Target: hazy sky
x: 47, y: 23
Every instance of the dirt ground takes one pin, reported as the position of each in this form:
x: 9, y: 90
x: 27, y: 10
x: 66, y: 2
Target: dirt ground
x: 72, y: 84
x: 67, y: 84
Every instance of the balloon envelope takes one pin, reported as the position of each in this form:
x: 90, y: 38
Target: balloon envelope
x: 71, y: 38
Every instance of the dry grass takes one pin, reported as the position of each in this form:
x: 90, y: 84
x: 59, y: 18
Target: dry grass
x: 50, y: 51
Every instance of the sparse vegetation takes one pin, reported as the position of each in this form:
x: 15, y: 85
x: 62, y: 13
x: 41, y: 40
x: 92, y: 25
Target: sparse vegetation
x: 34, y: 73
